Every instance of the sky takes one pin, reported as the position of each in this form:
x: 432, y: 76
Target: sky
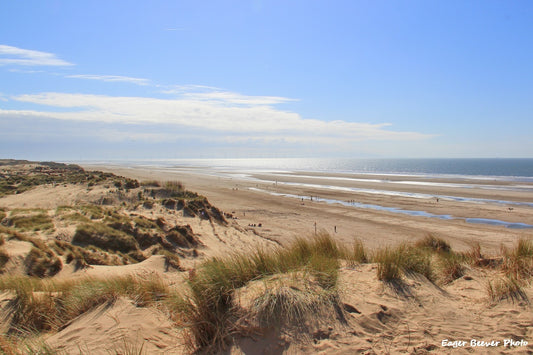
x: 127, y: 80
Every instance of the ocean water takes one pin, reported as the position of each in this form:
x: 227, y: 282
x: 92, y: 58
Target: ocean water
x: 507, y: 169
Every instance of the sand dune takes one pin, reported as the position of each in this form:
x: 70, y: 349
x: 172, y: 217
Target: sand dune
x: 415, y: 315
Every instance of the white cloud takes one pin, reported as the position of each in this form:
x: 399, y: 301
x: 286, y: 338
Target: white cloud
x: 17, y: 56
x: 112, y: 78
x: 231, y: 116
x: 25, y: 71
x: 187, y: 89
x: 236, y: 99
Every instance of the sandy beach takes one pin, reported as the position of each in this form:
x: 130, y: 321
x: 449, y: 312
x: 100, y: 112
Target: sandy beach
x: 282, y: 204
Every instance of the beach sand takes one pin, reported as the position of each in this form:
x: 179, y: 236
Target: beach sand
x: 283, y: 218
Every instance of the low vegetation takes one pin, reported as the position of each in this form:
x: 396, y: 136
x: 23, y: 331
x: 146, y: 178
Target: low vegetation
x: 32, y: 222
x: 104, y: 237
x: 4, y: 258
x: 285, y: 288
x: 47, y: 305
x: 209, y: 310
x: 15, y: 180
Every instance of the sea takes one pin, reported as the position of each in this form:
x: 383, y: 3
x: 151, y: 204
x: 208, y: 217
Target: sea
x: 489, y: 168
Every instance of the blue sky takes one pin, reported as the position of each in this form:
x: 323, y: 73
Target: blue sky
x: 238, y: 79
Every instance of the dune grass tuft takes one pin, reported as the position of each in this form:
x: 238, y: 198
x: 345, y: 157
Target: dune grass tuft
x: 449, y: 267
x: 357, y: 254
x: 433, y: 243
x: 518, y: 262
x: 292, y: 302
x: 42, y: 262
x: 211, y: 313
x: 403, y: 259
x: 388, y: 268
x: 46, y: 305
x: 506, y: 288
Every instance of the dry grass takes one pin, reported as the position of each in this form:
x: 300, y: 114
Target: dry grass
x: 105, y: 237
x: 292, y: 301
x: 4, y: 258
x: 174, y: 186
x: 403, y: 259
x: 42, y: 263
x: 433, y: 243
x: 209, y: 311
x: 34, y: 222
x: 449, y: 267
x: 82, y: 257
x: 388, y: 261
x: 506, y: 288
x: 356, y: 255
x: 17, y: 346
x: 47, y: 305
x: 473, y: 255
x: 150, y: 183
x: 518, y: 262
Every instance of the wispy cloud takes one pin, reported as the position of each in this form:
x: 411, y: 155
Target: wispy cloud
x: 25, y: 71
x: 111, y: 78
x: 17, y: 56
x: 237, y: 99
x: 222, y: 116
x: 214, y: 94
x: 187, y: 89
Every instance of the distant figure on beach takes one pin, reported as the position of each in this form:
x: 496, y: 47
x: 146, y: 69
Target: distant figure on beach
x: 335, y: 228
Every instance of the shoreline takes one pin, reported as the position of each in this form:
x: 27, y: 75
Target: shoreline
x: 283, y: 218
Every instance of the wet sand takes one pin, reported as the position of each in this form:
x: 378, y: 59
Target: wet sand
x: 261, y: 198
